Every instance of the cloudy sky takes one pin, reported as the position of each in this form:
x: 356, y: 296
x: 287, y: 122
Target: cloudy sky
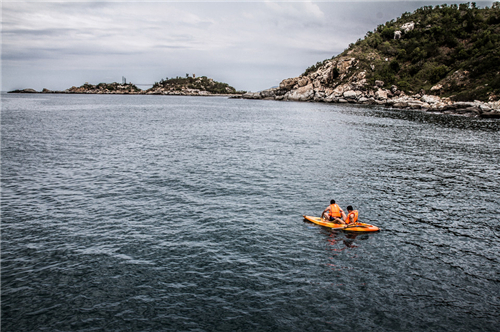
x: 250, y: 45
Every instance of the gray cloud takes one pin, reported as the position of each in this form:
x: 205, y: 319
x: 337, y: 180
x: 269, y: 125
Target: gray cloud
x: 250, y: 45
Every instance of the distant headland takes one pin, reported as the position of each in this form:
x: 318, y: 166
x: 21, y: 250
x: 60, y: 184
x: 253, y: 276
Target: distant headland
x: 179, y: 86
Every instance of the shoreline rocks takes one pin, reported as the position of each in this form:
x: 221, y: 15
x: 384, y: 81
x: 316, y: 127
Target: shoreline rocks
x: 337, y: 81
x: 317, y: 87
x: 382, y: 97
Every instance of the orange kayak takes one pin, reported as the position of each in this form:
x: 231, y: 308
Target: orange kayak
x: 357, y: 227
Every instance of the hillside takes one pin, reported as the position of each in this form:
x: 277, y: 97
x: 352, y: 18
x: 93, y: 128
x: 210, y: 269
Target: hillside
x: 447, y: 50
x: 441, y: 59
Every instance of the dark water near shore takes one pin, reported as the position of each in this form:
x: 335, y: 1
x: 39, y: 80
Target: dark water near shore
x: 151, y: 213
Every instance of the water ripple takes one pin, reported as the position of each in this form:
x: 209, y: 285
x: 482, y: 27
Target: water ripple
x: 174, y: 214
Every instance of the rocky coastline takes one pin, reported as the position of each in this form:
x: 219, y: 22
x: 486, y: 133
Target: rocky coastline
x: 432, y: 60
x: 354, y: 88
x: 124, y: 89
x: 310, y: 89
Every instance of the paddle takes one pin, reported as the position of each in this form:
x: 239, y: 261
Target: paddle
x: 357, y: 225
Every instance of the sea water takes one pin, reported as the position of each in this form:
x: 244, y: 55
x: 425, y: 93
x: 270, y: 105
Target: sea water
x: 162, y: 213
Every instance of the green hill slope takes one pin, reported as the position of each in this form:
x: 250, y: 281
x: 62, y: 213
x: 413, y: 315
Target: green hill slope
x: 446, y: 50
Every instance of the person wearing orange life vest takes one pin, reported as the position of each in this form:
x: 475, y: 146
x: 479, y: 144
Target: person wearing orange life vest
x: 352, y: 216
x: 333, y: 213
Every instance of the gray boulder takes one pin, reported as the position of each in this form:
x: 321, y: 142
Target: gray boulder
x: 302, y: 94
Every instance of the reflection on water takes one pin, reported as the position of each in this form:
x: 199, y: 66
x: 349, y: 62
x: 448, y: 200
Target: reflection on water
x: 342, y: 242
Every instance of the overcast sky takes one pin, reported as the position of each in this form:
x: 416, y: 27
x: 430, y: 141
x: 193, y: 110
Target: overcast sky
x: 249, y: 45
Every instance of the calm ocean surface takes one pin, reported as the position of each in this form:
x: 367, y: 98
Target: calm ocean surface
x: 161, y: 213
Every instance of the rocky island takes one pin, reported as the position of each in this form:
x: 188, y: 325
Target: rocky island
x: 182, y: 86
x: 438, y: 59
x: 192, y: 86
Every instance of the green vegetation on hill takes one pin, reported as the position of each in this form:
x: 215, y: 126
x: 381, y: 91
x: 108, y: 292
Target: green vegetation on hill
x: 105, y: 88
x: 454, y: 46
x: 112, y: 87
x: 197, y: 83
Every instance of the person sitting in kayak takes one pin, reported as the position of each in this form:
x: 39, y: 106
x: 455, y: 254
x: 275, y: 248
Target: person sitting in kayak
x: 352, y: 216
x: 334, y: 213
